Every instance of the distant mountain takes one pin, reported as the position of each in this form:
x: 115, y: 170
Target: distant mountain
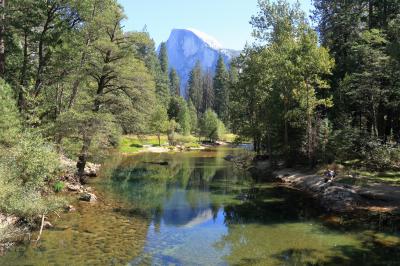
x: 186, y: 46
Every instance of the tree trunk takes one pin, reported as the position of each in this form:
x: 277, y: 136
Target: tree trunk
x: 309, y: 128
x: 41, y: 50
x: 159, y: 139
x: 77, y: 82
x: 370, y: 13
x: 2, y: 44
x: 286, y: 134
x: 23, y: 80
x: 82, y: 160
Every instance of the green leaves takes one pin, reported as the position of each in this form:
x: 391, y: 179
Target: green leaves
x: 283, y: 83
x: 10, y: 124
x: 211, y: 127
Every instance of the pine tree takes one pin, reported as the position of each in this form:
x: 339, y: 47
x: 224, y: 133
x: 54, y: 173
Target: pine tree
x: 162, y: 77
x: 174, y: 81
x: 195, y: 87
x: 208, y: 92
x: 193, y: 117
x: 163, y: 58
x: 221, y: 83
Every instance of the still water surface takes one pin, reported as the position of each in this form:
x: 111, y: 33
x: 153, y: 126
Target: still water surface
x: 199, y: 210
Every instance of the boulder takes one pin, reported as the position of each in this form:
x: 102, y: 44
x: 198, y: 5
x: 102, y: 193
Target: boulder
x: 89, y: 197
x: 72, y: 187
x: 70, y: 208
x: 47, y: 225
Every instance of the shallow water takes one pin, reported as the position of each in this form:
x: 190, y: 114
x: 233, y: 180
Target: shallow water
x: 199, y: 210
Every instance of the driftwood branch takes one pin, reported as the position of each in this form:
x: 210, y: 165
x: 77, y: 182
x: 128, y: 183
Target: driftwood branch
x: 41, y: 229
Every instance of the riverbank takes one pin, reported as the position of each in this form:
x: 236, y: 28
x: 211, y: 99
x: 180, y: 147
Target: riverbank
x: 14, y: 229
x: 345, y: 194
x: 338, y: 197
x: 133, y: 144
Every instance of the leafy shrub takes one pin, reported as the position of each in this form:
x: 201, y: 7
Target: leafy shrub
x: 211, y: 127
x: 58, y: 186
x: 31, y: 161
x: 24, y: 201
x: 181, y: 139
x: 378, y: 156
x: 24, y: 170
x: 9, y: 116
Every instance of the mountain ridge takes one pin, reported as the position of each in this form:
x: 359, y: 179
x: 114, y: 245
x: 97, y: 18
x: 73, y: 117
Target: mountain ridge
x: 187, y: 46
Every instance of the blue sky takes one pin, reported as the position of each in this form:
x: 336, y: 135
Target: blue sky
x: 226, y: 20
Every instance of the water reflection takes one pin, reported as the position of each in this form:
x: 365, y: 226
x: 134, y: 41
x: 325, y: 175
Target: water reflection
x: 203, y: 211
x: 197, y: 209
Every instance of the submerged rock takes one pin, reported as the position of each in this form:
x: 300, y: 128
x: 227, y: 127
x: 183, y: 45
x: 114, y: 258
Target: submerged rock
x: 89, y: 197
x: 70, y: 208
x: 47, y: 225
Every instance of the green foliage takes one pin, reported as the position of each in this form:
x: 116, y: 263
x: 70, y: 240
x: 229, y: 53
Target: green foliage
x: 179, y: 111
x: 195, y: 87
x: 193, y: 117
x: 211, y: 127
x: 175, y: 85
x: 221, y: 87
x: 379, y: 157
x: 365, y: 83
x: 10, y: 124
x: 159, y: 122
x: 24, y: 202
x: 187, y: 140
x: 162, y: 77
x: 282, y: 86
x: 163, y: 57
x: 31, y: 162
x: 25, y: 170
x: 58, y: 186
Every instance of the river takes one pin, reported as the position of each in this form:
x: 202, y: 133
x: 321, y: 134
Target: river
x: 195, y: 208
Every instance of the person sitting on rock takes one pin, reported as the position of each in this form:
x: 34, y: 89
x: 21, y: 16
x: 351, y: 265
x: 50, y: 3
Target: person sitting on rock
x: 329, y: 175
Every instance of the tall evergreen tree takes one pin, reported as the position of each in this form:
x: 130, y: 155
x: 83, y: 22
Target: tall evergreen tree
x: 162, y: 77
x: 221, y: 83
x: 163, y: 57
x: 208, y: 92
x: 175, y: 84
x: 195, y: 87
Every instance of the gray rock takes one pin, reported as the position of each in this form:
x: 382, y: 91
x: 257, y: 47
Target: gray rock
x: 70, y: 208
x: 89, y: 197
x: 72, y: 187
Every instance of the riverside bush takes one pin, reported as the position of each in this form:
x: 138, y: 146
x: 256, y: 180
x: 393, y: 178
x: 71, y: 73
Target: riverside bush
x: 378, y: 156
x: 24, y: 170
x: 31, y: 162
x: 58, y: 186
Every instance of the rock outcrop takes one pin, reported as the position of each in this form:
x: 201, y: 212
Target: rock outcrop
x: 187, y: 46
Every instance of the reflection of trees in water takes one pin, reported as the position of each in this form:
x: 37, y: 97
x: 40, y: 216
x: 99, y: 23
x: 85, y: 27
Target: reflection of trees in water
x: 274, y: 226
x: 179, y: 192
x: 149, y: 186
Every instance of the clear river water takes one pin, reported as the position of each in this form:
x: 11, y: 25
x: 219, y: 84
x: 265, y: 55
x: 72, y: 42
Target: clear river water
x: 200, y: 210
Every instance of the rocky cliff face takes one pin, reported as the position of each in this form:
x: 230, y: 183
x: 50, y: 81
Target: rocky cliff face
x: 187, y: 46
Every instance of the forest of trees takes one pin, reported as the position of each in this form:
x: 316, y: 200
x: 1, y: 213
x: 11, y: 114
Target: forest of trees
x: 72, y: 81
x: 324, y: 94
